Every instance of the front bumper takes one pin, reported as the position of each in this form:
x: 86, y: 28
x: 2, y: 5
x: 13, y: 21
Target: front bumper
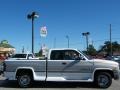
x: 116, y: 75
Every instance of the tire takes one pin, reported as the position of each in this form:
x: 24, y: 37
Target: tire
x: 103, y: 80
x: 24, y: 80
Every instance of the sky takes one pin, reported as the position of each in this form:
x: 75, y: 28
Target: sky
x: 62, y: 18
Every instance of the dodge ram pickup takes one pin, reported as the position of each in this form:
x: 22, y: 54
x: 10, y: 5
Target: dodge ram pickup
x: 62, y: 65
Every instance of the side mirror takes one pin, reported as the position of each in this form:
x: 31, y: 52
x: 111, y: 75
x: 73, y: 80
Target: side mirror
x: 83, y: 58
x: 80, y: 58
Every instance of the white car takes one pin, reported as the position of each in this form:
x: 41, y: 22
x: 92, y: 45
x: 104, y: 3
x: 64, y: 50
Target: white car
x: 20, y: 56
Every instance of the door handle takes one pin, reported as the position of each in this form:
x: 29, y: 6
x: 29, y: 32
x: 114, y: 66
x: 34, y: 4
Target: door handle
x: 64, y: 63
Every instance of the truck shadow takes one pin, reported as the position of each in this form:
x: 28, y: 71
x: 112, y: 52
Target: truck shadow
x: 13, y: 84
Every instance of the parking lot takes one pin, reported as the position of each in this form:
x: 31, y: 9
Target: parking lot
x: 12, y: 85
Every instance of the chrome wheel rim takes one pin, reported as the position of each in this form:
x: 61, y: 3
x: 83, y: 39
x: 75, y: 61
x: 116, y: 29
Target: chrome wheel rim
x: 103, y: 80
x: 25, y: 80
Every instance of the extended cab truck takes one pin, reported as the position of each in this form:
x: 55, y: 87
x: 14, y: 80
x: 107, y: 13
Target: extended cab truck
x: 62, y: 65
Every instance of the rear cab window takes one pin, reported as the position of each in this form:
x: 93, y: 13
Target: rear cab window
x: 19, y: 56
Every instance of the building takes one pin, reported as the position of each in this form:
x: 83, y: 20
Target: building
x: 6, y: 49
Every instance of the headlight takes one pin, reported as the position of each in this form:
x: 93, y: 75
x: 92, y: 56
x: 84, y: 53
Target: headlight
x: 116, y: 68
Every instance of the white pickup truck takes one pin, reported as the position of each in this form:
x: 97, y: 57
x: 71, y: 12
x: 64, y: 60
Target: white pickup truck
x: 62, y: 65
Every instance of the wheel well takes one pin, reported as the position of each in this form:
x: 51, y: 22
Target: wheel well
x: 24, y: 71
x: 107, y: 71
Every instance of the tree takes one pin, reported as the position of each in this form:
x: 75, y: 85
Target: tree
x: 116, y: 46
x: 39, y: 54
x: 91, y: 50
x: 4, y: 42
x: 107, y: 47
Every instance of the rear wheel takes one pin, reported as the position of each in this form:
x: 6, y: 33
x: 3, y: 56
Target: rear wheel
x: 24, y: 80
x: 103, y: 80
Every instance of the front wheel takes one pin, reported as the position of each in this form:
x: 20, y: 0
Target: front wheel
x: 24, y: 81
x: 103, y: 80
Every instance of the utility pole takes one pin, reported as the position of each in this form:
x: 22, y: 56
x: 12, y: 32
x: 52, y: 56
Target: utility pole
x: 68, y: 40
x: 86, y: 35
x: 23, y: 50
x: 110, y: 42
x: 92, y: 43
x: 54, y: 42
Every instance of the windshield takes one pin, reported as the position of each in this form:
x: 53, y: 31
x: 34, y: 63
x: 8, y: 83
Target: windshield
x: 19, y: 56
x: 85, y: 55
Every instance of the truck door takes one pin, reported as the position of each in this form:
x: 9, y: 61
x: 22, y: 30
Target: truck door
x: 64, y: 66
x: 75, y: 67
x: 55, y: 66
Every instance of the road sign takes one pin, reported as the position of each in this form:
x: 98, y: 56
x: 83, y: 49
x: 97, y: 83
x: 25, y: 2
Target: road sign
x: 43, y: 31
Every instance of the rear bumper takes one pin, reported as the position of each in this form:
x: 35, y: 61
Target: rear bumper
x: 10, y: 75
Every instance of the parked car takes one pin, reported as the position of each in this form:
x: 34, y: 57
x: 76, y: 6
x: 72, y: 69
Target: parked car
x: 116, y: 58
x: 25, y: 56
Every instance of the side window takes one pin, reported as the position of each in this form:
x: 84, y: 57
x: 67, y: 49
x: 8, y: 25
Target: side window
x: 67, y: 55
x: 56, y: 55
x: 71, y: 55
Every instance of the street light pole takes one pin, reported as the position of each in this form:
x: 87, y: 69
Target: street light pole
x: 33, y: 35
x: 32, y: 16
x: 86, y: 35
x: 68, y: 40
